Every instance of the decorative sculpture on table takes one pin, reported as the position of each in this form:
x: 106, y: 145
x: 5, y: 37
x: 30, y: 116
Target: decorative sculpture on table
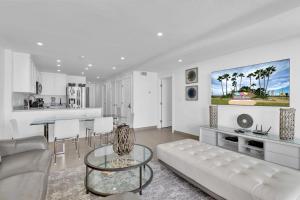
x: 123, y: 140
x: 213, y: 116
x: 287, y: 123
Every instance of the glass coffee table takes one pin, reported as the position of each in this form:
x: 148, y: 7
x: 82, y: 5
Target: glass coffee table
x: 108, y: 173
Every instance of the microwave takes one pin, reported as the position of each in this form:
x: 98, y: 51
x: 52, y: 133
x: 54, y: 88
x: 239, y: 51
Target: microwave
x: 39, y: 88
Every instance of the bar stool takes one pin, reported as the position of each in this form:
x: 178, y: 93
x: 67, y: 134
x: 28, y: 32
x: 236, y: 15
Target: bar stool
x: 13, y: 124
x: 103, y: 126
x: 66, y: 130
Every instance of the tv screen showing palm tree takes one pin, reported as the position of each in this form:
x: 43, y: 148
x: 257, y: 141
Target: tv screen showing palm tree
x: 265, y: 84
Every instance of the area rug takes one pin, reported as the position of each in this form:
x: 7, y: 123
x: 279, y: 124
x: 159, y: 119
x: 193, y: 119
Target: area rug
x: 69, y: 184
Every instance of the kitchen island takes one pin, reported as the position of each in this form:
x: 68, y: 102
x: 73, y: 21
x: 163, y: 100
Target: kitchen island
x: 25, y: 118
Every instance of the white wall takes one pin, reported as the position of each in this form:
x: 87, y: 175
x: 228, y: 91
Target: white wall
x: 1, y: 89
x: 189, y: 115
x: 145, y: 99
x: 76, y: 79
x: 6, y: 91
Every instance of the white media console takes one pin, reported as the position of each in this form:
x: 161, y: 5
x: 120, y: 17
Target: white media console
x: 273, y: 149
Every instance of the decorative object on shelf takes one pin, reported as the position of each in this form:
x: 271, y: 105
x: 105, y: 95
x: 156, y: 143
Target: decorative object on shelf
x: 123, y: 140
x: 245, y: 121
x: 191, y: 93
x: 253, y: 85
x: 213, y: 116
x: 287, y: 123
x: 261, y: 131
x: 191, y: 75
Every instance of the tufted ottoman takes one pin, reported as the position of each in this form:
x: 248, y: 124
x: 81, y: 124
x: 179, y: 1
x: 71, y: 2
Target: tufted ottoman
x: 230, y: 175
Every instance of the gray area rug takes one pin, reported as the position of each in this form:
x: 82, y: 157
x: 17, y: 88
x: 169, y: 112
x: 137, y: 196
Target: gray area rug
x: 69, y: 184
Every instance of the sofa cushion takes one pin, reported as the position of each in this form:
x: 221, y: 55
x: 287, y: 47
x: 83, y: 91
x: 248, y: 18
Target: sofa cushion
x: 27, y: 186
x: 29, y: 161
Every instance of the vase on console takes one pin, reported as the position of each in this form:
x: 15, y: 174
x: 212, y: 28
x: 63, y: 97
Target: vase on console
x: 124, y: 139
x: 213, y: 116
x: 287, y: 123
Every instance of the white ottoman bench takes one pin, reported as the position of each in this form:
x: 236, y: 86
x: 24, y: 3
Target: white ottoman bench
x: 229, y: 175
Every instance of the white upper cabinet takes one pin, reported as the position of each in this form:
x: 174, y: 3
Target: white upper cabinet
x: 25, y: 73
x: 53, y: 83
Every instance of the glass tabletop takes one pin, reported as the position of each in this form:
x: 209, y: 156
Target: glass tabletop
x: 105, y: 159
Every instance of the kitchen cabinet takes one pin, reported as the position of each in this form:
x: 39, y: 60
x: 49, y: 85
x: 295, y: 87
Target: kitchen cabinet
x: 25, y: 73
x: 53, y: 83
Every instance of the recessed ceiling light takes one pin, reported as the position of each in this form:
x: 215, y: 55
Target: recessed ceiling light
x: 58, y: 65
x: 179, y: 60
x: 58, y: 70
x: 86, y: 68
x: 39, y: 43
x: 159, y: 34
x: 82, y: 73
x: 90, y: 65
x: 114, y: 68
x: 98, y: 77
x: 82, y: 57
x: 122, y: 58
x: 58, y: 60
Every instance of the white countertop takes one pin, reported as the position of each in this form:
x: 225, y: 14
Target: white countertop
x: 50, y: 109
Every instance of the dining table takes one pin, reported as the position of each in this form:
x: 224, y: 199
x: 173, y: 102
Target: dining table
x: 51, y: 120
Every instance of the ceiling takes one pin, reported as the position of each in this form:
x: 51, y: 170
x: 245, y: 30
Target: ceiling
x: 104, y: 31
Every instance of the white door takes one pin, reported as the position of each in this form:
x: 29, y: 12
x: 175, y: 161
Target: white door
x: 118, y: 97
x: 108, y: 99
x: 166, y: 102
x: 126, y: 101
x: 113, y: 97
x: 104, y: 100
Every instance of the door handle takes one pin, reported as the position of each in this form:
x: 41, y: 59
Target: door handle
x: 129, y: 105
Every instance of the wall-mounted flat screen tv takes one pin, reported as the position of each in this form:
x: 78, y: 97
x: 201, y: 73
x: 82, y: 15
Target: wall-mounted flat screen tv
x: 265, y: 84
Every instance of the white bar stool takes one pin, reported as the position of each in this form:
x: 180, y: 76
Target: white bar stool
x: 66, y: 130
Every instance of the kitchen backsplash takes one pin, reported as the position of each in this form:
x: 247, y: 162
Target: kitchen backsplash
x: 18, y: 99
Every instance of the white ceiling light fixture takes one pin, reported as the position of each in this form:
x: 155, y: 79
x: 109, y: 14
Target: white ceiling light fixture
x: 58, y: 65
x: 114, y: 68
x: 40, y: 44
x: 122, y: 58
x: 180, y: 60
x: 160, y: 34
x: 82, y: 73
x: 98, y: 77
x: 86, y: 68
x: 58, y: 70
x: 82, y: 57
x: 90, y: 65
x: 58, y: 60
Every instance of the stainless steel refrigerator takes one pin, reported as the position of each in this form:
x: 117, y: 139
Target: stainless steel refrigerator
x: 76, y: 96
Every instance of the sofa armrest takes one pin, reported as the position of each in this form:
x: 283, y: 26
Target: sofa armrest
x: 8, y: 147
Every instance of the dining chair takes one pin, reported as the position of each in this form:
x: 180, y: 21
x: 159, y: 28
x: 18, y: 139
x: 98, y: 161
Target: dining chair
x: 66, y: 130
x: 103, y: 126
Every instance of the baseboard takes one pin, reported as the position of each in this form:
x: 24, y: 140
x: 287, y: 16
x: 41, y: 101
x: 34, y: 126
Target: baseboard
x: 189, y: 134
x: 145, y: 128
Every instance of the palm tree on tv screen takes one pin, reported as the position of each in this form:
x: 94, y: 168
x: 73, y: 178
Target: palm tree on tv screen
x: 269, y: 71
x: 250, y: 77
x: 220, y: 79
x: 241, y: 75
x: 226, y: 77
x: 234, y: 84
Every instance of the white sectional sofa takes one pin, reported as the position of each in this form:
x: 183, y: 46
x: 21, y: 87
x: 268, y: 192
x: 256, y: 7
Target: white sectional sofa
x: 229, y: 175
